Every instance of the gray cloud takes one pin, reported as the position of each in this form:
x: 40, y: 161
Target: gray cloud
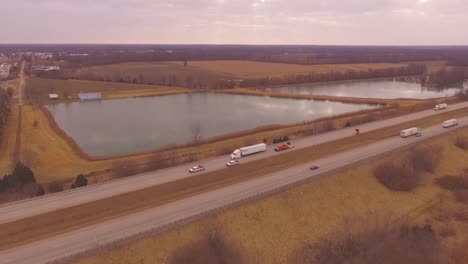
x: 235, y: 21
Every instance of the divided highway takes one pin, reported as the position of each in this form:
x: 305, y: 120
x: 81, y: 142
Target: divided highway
x: 30, y: 207
x: 89, y: 238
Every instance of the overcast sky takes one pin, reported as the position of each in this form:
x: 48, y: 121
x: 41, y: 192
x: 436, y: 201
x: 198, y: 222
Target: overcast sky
x: 358, y: 22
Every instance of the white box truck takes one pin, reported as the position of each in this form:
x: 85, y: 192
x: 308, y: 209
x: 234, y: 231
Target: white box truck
x: 440, y: 107
x: 410, y: 132
x: 241, y: 152
x: 449, y: 123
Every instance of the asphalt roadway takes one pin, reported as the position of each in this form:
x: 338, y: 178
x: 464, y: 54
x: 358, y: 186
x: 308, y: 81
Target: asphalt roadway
x: 89, y: 238
x: 39, y: 205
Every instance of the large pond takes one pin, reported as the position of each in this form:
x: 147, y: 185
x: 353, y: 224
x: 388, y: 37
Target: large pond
x: 125, y: 126
x: 387, y: 89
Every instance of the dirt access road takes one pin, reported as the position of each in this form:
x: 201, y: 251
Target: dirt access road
x: 31, y: 207
x: 90, y: 238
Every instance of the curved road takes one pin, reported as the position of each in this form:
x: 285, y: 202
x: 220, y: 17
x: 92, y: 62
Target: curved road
x: 30, y: 207
x: 89, y: 238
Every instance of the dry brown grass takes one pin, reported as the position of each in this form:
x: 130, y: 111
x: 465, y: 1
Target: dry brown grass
x: 252, y: 69
x: 72, y: 218
x: 270, y: 230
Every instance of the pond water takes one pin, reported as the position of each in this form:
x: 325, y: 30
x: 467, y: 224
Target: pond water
x: 114, y: 127
x: 386, y: 89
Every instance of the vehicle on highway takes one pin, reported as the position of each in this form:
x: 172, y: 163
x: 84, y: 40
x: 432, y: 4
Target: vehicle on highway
x: 440, y: 107
x: 232, y: 163
x: 285, y: 146
x: 249, y: 150
x: 197, y: 168
x: 449, y: 123
x: 314, y: 167
x: 414, y: 131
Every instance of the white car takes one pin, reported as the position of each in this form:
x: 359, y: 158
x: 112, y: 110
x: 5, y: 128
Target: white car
x: 197, y: 168
x: 232, y: 163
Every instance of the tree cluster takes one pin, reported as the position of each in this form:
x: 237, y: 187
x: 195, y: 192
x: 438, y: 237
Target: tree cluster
x: 21, y: 175
x: 411, y: 69
x: 5, y: 107
x: 445, y: 77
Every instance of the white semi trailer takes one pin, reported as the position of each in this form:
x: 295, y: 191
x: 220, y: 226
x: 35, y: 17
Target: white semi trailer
x: 249, y: 150
x: 410, y: 132
x: 449, y: 123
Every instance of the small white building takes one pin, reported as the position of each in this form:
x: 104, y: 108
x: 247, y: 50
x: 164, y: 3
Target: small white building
x: 53, y: 96
x: 4, y: 70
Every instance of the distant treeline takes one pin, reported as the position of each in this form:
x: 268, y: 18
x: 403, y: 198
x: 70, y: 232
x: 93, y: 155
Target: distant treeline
x: 411, y: 69
x: 299, y: 54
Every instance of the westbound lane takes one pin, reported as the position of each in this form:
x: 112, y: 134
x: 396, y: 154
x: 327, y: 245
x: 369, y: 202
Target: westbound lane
x: 89, y: 238
x: 30, y: 207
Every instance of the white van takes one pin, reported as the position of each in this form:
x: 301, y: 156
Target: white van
x: 449, y: 123
x: 440, y: 107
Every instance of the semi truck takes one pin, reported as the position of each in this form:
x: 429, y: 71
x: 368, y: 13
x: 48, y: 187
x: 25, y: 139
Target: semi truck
x: 449, y: 123
x: 440, y: 107
x: 410, y: 132
x: 249, y: 150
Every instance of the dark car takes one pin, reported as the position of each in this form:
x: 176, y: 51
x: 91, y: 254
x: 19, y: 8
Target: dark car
x: 314, y: 167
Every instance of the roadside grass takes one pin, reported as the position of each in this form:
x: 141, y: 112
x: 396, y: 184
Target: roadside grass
x: 270, y: 230
x: 253, y: 69
x: 42, y: 226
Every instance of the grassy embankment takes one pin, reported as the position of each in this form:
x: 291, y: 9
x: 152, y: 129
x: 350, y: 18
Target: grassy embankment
x: 27, y: 230
x: 270, y: 230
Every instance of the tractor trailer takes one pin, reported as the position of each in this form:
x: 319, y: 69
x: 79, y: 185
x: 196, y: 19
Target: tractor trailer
x: 410, y: 132
x: 249, y: 150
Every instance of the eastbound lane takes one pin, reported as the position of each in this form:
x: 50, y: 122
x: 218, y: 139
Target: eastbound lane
x: 30, y: 207
x: 89, y: 238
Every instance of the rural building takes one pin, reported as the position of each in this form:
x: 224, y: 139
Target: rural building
x: 4, y: 70
x: 90, y: 96
x: 53, y: 96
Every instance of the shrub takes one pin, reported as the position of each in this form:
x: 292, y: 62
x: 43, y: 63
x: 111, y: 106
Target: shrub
x: 55, y: 187
x: 121, y: 169
x: 40, y: 190
x: 80, y: 181
x: 397, y: 176
x: 461, y: 141
x: 452, y: 182
x: 328, y: 125
x: 211, y: 249
x: 461, y: 195
x: 35, y: 123
x: 423, y: 158
x: 412, y: 244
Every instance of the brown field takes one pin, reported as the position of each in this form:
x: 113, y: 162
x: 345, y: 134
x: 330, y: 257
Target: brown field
x: 109, y: 90
x: 149, y: 72
x: 253, y: 69
x: 269, y: 230
x: 45, y: 225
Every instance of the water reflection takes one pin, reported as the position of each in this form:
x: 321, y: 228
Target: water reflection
x: 387, y: 89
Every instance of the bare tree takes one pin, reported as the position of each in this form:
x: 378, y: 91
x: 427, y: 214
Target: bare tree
x: 195, y: 130
x: 29, y: 158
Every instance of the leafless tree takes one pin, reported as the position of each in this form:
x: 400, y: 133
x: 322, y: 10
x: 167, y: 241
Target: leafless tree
x: 29, y: 158
x: 195, y: 130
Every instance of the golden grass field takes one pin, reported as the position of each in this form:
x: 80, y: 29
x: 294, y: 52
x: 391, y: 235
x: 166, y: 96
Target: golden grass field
x: 253, y: 69
x: 30, y: 229
x: 269, y: 230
